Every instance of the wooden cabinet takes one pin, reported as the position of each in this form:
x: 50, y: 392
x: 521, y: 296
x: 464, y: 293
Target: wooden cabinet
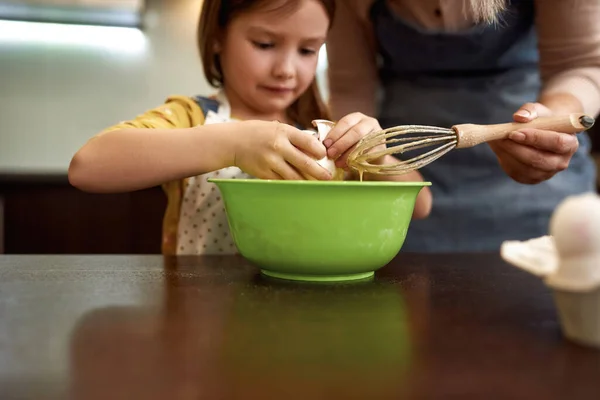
x: 1, y: 225
x: 45, y: 215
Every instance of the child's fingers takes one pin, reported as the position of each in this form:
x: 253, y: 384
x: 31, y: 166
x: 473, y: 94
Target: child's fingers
x: 286, y: 171
x: 272, y: 175
x: 352, y: 137
x: 340, y: 129
x: 305, y: 164
x: 342, y: 161
x: 307, y: 143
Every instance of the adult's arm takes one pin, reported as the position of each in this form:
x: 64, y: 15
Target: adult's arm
x: 351, y: 54
x: 569, y: 46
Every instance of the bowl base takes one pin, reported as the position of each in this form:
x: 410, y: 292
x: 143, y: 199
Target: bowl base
x: 318, y: 278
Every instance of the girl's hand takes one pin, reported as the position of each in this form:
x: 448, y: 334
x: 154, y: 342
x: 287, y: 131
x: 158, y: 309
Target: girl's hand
x: 273, y: 150
x: 532, y: 156
x: 345, y: 135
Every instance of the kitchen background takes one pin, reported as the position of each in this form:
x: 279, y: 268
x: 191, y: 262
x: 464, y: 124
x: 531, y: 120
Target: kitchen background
x: 60, y: 84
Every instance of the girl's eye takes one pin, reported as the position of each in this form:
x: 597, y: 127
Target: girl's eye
x: 263, y: 45
x: 307, y: 52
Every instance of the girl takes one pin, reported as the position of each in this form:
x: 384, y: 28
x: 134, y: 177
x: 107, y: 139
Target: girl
x: 262, y: 55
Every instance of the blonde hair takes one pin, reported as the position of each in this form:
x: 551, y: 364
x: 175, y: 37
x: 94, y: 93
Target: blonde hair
x: 487, y: 11
x: 214, y: 18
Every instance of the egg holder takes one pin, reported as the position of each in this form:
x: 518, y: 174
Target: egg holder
x: 568, y: 262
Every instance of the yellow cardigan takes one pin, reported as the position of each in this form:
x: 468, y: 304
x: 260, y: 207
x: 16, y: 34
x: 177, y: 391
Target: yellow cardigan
x: 176, y: 112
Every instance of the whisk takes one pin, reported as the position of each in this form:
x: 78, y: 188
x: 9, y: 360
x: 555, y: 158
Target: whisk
x: 413, y: 137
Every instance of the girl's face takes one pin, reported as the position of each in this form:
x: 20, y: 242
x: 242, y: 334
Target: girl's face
x: 269, y: 58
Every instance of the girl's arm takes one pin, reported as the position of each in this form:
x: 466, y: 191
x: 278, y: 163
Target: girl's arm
x: 170, y: 143
x: 163, y: 144
x: 130, y: 159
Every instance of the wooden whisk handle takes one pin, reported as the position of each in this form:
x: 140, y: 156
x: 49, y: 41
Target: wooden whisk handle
x: 469, y: 135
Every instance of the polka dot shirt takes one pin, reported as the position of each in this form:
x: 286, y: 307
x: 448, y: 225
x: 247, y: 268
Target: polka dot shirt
x: 203, y: 227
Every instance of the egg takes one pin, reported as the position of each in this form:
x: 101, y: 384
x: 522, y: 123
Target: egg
x: 575, y: 227
x: 323, y: 127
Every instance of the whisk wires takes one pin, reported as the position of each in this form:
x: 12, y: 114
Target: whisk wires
x: 404, y: 139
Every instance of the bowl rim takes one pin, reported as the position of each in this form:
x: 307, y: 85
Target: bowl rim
x: 319, y: 183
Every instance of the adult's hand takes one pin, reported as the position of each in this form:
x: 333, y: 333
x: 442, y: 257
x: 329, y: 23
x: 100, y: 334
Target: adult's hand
x: 531, y: 156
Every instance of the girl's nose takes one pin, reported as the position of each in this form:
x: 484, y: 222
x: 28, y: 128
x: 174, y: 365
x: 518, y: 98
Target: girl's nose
x: 284, y: 68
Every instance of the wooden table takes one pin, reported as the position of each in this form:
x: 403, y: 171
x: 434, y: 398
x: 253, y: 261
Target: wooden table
x: 148, y: 327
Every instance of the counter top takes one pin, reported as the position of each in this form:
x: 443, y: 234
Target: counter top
x: 153, y: 327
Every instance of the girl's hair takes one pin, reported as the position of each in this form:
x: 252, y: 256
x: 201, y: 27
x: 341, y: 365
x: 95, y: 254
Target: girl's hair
x: 214, y: 18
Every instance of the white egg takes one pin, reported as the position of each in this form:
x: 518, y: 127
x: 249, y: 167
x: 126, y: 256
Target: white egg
x: 323, y: 127
x: 575, y: 226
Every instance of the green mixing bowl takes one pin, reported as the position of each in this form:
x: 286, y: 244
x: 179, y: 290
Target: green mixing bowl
x: 318, y: 230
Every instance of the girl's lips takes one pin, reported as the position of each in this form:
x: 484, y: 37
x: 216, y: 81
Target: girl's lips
x: 278, y: 89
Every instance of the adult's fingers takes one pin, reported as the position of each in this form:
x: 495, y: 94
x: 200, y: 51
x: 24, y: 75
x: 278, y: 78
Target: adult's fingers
x: 537, y: 159
x: 550, y: 141
x: 530, y: 111
x: 521, y: 172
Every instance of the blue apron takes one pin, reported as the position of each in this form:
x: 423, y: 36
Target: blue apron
x: 480, y: 75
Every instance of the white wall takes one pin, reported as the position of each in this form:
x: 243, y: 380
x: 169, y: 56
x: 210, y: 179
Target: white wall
x: 55, y: 95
